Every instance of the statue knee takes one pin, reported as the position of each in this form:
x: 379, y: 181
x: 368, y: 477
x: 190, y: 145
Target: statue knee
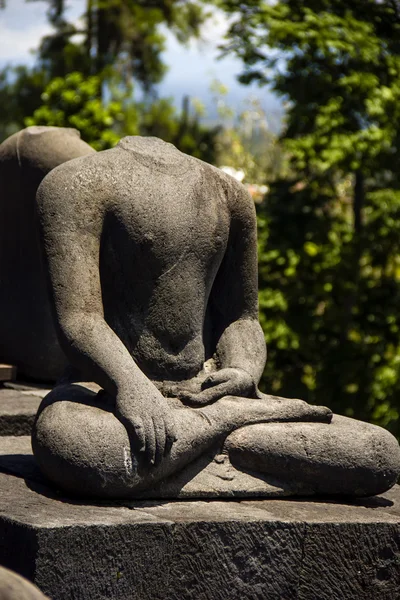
x: 85, y: 450
x: 347, y: 457
x: 381, y: 465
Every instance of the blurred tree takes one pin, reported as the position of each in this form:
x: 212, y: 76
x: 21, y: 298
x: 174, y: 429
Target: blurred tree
x: 330, y: 236
x: 245, y: 141
x: 20, y: 92
x: 185, y: 131
x: 75, y: 101
x: 120, y: 43
x: 122, y: 34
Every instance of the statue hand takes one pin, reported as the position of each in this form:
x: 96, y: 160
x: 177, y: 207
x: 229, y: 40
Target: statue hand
x: 149, y: 423
x: 226, y: 382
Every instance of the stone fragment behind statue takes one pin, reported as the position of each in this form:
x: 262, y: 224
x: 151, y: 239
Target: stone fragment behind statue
x: 27, y: 335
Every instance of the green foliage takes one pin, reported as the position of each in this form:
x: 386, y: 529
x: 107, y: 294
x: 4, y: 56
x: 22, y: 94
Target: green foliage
x: 74, y: 101
x: 20, y: 93
x: 332, y: 339
x: 339, y: 66
x: 121, y: 42
x: 329, y: 237
x: 85, y: 75
x: 245, y: 141
x: 126, y: 35
x: 185, y: 130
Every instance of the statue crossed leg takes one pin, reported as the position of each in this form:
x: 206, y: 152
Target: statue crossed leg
x: 93, y: 454
x: 152, y: 261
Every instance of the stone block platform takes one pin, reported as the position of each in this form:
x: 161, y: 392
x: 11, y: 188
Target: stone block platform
x: 18, y: 407
x: 203, y: 550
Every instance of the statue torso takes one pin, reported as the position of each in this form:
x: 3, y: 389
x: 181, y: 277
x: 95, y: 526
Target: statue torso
x: 164, y: 236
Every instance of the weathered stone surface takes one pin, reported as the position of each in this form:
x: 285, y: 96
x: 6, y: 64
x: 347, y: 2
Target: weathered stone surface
x: 214, y: 550
x: 17, y: 411
x: 152, y: 261
x: 27, y: 336
x: 150, y: 550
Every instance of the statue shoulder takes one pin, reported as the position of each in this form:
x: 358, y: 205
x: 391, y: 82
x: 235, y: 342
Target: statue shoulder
x: 236, y: 193
x: 81, y: 177
x: 8, y: 148
x: 240, y: 203
x: 75, y: 192
x: 43, y: 148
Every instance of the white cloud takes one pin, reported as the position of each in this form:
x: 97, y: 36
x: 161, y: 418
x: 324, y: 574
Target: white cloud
x: 16, y: 44
x: 216, y: 28
x: 23, y: 24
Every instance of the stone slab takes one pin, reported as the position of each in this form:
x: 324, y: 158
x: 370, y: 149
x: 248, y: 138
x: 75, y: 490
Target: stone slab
x: 211, y: 550
x: 17, y: 410
x: 7, y: 372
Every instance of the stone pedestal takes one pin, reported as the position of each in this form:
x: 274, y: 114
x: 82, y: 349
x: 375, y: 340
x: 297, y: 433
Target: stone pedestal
x: 214, y: 550
x: 18, y: 408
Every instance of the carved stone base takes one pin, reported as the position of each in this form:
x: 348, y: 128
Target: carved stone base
x: 214, y: 550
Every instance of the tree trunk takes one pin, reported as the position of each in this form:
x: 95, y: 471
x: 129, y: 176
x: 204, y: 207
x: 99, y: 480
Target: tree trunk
x: 89, y: 32
x: 354, y: 273
x: 358, y: 205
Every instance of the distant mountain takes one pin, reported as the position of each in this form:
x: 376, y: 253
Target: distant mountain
x: 236, y: 99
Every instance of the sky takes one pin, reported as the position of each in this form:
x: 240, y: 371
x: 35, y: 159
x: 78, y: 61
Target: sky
x: 22, y: 24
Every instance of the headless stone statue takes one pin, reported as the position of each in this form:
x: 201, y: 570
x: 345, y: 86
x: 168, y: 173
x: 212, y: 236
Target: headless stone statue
x: 152, y: 264
x: 27, y: 336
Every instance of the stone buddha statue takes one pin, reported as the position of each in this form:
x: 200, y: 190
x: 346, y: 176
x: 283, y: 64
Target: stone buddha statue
x: 151, y: 260
x: 27, y: 336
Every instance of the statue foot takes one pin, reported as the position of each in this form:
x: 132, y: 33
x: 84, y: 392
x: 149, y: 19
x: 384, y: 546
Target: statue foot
x: 238, y: 412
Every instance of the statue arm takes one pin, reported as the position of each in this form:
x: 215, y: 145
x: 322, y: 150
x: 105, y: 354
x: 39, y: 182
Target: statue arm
x: 238, y: 339
x: 70, y: 230
x: 234, y: 297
